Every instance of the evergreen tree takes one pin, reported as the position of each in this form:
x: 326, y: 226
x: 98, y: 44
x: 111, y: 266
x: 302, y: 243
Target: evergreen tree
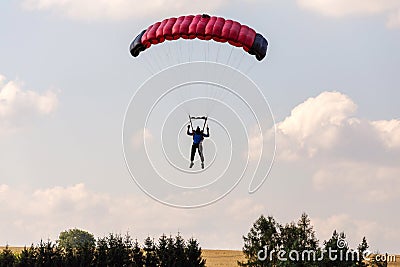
x: 162, y: 251
x: 307, y: 239
x: 263, y: 237
x: 100, y: 255
x: 299, y: 243
x: 193, y: 254
x: 7, y: 258
x: 337, y: 252
x: 137, y: 255
x: 362, y: 249
x: 170, y: 259
x: 128, y: 255
x: 47, y: 254
x: 117, y: 251
x: 179, y: 247
x: 27, y: 257
x: 150, y: 253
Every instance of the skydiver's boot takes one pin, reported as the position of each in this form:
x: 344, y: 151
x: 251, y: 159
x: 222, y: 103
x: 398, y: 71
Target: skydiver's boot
x: 191, y: 164
x: 202, y: 165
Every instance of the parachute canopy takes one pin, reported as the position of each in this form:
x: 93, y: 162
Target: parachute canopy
x: 202, y: 27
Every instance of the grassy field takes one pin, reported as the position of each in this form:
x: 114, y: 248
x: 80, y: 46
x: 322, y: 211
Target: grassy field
x: 222, y: 258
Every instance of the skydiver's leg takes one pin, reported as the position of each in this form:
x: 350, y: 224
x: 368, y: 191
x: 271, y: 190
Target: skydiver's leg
x: 201, y: 155
x: 193, y: 151
x: 201, y: 152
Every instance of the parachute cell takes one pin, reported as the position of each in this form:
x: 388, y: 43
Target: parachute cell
x: 202, y: 27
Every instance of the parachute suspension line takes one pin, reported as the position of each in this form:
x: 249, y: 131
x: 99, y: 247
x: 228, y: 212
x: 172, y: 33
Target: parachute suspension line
x: 157, y: 59
x: 149, y: 65
x: 190, y: 47
x: 175, y: 52
x: 209, y: 87
x: 216, y: 58
x: 163, y: 62
x: 250, y: 68
x: 169, y: 55
x: 208, y: 50
x: 204, y: 51
x: 230, y: 55
x: 221, y: 94
x: 240, y: 62
x: 180, y: 51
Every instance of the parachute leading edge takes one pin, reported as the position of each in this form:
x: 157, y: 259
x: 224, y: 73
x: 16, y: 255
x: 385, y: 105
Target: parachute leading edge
x: 202, y: 27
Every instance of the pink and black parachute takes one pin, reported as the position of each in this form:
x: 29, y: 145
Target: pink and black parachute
x: 202, y: 27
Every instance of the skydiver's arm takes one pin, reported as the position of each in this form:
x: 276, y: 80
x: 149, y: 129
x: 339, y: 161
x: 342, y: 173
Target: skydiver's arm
x: 208, y: 133
x: 188, y: 131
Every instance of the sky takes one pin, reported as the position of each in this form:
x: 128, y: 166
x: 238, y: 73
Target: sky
x: 78, y: 149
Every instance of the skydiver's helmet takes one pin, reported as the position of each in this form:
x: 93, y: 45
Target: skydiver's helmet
x: 198, y: 131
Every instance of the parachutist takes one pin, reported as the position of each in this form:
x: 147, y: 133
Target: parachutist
x: 198, y: 137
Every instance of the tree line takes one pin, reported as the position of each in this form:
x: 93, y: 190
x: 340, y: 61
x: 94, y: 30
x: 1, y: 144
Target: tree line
x: 270, y: 243
x: 78, y: 248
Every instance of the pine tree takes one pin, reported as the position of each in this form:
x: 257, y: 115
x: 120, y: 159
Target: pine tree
x: 162, y: 251
x: 127, y: 259
x: 47, y: 255
x: 301, y: 238
x: 362, y: 249
x: 193, y: 254
x: 170, y: 259
x: 264, y: 234
x: 100, y: 255
x: 117, y: 252
x: 7, y: 258
x: 150, y: 253
x: 179, y: 248
x: 137, y: 255
x: 337, y: 252
x: 27, y: 257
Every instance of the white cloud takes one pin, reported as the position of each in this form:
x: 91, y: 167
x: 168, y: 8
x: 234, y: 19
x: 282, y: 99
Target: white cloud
x: 31, y: 215
x: 314, y: 125
x: 242, y: 209
x: 17, y: 104
x: 342, y: 8
x: 326, y: 126
x: 353, y: 155
x: 389, y: 132
x: 121, y: 9
x: 256, y: 140
x: 368, y: 182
